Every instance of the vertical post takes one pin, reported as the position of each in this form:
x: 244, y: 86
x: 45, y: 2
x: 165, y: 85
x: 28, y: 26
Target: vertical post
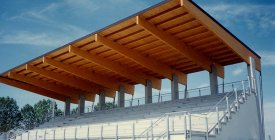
x: 45, y: 133
x: 185, y: 126
x: 101, y: 100
x: 134, y: 136
x: 159, y: 97
x: 167, y: 127
x: 21, y: 137
x: 81, y: 104
x: 28, y: 135
x: 244, y: 93
x: 152, y: 130
x: 206, y: 125
x: 200, y: 92
x: 175, y: 87
x: 64, y: 134
x: 148, y: 92
x: 53, y: 108
x: 236, y: 99
x: 213, y: 76
x: 75, y: 133
x: 116, y: 131
x: 173, y: 124
x: 132, y: 100
x: 54, y: 134
x: 228, y: 107
x: 88, y: 133
x: 218, y: 118
x: 101, y: 133
x: 121, y: 96
x: 36, y: 134
x: 185, y: 92
x: 223, y: 85
x: 190, y: 125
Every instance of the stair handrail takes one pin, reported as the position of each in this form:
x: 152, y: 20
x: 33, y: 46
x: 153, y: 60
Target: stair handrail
x: 231, y: 106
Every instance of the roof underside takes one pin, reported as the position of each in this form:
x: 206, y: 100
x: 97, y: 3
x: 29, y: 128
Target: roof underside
x: 174, y: 37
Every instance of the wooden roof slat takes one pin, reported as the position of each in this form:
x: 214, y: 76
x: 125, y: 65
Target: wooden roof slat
x: 99, y: 79
x: 178, y: 46
x: 117, y: 68
x: 148, y: 63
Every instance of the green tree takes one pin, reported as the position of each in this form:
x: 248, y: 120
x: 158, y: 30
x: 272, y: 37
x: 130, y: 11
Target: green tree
x: 28, y: 117
x: 10, y: 115
x: 43, y: 111
x: 107, y: 105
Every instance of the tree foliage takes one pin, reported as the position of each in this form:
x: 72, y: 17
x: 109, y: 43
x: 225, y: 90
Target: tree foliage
x: 107, y: 105
x: 10, y: 115
x: 28, y: 117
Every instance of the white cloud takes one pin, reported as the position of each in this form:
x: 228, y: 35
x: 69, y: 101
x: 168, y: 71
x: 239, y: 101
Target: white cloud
x: 203, y: 85
x: 29, y: 38
x: 252, y: 15
x: 237, y: 71
x: 268, y: 58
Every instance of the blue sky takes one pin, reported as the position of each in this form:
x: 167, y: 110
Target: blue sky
x: 30, y: 28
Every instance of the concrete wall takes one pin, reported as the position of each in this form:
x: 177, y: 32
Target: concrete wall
x: 244, y: 125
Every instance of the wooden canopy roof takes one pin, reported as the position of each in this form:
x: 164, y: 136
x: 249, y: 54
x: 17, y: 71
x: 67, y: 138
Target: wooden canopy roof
x: 173, y: 37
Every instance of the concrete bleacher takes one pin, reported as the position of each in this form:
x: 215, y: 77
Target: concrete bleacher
x: 123, y: 123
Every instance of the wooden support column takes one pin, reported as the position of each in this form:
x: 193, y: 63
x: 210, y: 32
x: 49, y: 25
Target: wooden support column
x: 175, y: 87
x: 213, y: 76
x: 148, y: 92
x: 101, y: 100
x: 81, y: 104
x: 67, y: 107
x: 121, y: 97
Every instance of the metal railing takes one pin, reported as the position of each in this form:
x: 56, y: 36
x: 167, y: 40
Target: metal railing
x: 204, y: 123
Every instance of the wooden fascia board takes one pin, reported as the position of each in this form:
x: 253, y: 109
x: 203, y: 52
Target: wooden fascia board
x: 65, y: 91
x: 116, y: 67
x: 35, y: 89
x: 148, y: 63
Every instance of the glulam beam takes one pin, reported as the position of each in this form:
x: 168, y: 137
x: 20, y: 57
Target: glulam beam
x: 178, y: 45
x: 65, y: 91
x: 82, y: 73
x: 224, y: 35
x: 35, y: 89
x: 148, y: 63
x: 116, y: 67
x: 71, y: 81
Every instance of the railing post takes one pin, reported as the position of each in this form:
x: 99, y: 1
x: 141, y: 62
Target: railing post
x: 236, y: 99
x: 200, y: 92
x: 134, y: 137
x: 101, y: 133
x: 152, y: 131
x: 36, y: 134
x: 64, y: 134
x: 228, y: 107
x: 21, y: 137
x: 138, y: 102
x: 88, y: 133
x: 54, y: 134
x: 218, y: 118
x: 244, y: 94
x: 28, y: 135
x: 116, y: 131
x: 206, y: 125
x: 190, y: 126
x: 75, y: 133
x: 185, y: 126
x: 45, y: 133
x: 159, y: 97
x: 167, y: 127
x: 172, y: 124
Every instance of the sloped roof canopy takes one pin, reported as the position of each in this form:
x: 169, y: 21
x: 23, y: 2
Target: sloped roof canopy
x: 173, y: 37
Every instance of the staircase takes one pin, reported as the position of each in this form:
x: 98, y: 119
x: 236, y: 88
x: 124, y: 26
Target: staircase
x: 198, y: 118
x: 200, y: 126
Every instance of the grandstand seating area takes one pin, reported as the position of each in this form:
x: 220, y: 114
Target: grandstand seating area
x: 144, y: 121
